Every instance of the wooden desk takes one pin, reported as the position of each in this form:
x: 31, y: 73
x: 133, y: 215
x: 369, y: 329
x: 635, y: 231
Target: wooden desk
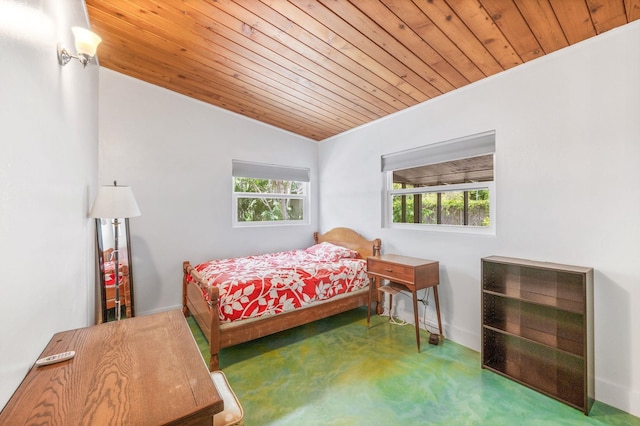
x: 138, y: 371
x: 404, y: 273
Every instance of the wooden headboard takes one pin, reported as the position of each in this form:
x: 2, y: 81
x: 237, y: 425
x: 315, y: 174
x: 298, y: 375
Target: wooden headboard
x: 346, y: 237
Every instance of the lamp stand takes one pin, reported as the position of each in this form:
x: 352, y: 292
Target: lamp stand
x: 116, y: 251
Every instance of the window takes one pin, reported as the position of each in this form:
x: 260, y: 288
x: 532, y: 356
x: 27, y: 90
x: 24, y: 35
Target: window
x: 266, y: 194
x: 448, y: 185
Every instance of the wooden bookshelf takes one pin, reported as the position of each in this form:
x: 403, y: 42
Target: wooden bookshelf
x: 537, y: 327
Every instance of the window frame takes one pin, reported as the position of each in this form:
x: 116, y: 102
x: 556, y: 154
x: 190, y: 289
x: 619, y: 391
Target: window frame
x: 465, y: 147
x: 271, y: 172
x: 467, y: 229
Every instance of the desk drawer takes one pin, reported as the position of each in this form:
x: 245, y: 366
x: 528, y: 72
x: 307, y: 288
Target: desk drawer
x: 392, y: 271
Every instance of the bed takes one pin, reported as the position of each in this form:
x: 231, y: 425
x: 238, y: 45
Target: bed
x: 242, y: 299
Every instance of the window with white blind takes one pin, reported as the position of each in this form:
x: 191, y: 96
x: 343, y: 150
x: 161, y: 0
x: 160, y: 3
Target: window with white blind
x: 444, y: 186
x: 268, y: 194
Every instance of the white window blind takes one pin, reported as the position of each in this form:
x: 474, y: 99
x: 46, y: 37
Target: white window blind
x: 455, y: 149
x: 269, y: 171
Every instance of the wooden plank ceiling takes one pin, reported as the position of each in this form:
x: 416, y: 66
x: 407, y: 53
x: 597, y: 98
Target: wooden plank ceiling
x: 320, y: 67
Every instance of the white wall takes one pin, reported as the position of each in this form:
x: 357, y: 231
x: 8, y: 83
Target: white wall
x: 48, y: 145
x: 567, y: 139
x: 567, y: 151
x: 175, y: 153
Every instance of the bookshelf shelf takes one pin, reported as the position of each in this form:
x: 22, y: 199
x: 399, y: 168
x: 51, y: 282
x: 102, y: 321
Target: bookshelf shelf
x: 537, y: 326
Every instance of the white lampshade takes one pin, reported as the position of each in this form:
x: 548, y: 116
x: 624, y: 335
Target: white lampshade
x: 86, y: 41
x: 114, y: 202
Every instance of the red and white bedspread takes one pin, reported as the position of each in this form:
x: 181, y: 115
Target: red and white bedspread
x: 272, y: 283
x: 109, y: 268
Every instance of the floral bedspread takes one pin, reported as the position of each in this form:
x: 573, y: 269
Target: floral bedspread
x: 272, y: 283
x: 109, y: 268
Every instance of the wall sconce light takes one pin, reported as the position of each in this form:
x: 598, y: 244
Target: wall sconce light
x: 86, y: 45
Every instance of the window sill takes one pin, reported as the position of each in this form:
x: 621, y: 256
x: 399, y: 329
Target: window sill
x: 450, y: 229
x: 268, y: 224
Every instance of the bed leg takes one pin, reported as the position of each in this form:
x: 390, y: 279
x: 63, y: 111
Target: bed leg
x: 214, y: 327
x: 214, y: 363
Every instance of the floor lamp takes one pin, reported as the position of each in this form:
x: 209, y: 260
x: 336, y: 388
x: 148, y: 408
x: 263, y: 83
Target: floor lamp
x: 115, y: 202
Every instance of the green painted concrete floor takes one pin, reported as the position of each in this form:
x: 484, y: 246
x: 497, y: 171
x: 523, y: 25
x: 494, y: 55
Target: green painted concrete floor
x: 338, y: 372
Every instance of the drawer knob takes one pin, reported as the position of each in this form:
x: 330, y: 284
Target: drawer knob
x: 388, y: 270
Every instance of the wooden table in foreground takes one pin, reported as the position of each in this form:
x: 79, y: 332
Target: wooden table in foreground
x: 405, y: 273
x: 139, y: 371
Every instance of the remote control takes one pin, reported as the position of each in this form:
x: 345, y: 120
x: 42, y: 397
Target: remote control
x: 55, y: 358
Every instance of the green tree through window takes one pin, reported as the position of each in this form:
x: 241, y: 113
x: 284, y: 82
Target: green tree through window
x: 269, y: 194
x: 265, y: 200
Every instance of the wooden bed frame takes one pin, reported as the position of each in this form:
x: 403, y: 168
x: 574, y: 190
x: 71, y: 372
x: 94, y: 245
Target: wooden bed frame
x: 229, y: 334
